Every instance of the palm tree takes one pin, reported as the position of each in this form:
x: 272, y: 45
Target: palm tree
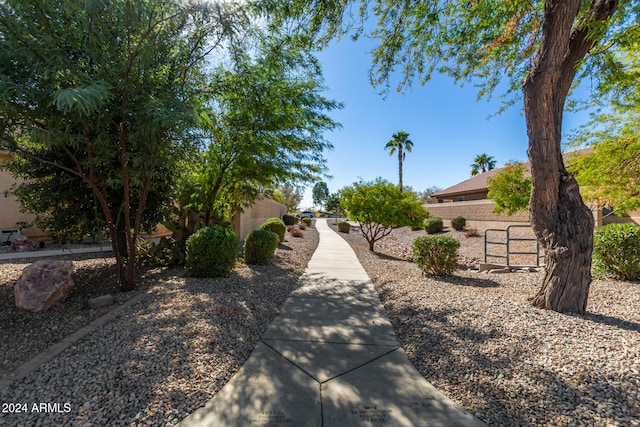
x: 399, y: 141
x: 482, y: 163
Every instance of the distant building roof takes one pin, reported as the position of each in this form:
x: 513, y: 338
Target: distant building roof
x: 475, y: 184
x: 478, y: 184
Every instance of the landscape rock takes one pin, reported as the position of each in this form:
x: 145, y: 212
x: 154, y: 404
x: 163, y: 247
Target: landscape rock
x: 487, y: 266
x: 101, y: 301
x: 43, y: 285
x: 500, y: 270
x: 22, y: 244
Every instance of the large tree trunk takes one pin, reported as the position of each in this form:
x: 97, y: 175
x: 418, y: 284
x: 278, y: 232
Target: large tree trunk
x: 560, y: 219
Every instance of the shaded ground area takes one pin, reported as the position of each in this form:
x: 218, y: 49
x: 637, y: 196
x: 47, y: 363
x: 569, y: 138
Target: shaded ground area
x: 476, y: 338
x: 162, y: 358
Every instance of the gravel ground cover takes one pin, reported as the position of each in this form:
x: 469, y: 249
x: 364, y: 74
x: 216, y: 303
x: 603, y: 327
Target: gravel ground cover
x: 160, y: 359
x: 476, y: 338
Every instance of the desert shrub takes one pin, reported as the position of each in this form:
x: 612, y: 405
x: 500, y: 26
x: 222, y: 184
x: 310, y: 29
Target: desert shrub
x: 302, y: 226
x: 211, y: 251
x: 167, y: 253
x: 433, y: 225
x: 307, y: 221
x: 616, y: 251
x: 297, y: 233
x: 458, y: 223
x: 472, y: 232
x: 276, y: 225
x: 344, y: 227
x: 290, y: 228
x: 436, y: 255
x: 259, y: 247
x: 289, y: 219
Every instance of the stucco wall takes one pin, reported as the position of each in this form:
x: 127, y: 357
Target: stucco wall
x: 478, y: 213
x: 9, y: 207
x: 255, y: 215
x: 633, y: 216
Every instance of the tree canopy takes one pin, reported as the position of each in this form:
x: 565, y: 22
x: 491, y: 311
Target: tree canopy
x: 609, y: 173
x: 263, y: 125
x: 320, y: 193
x: 510, y: 189
x: 106, y: 92
x: 380, y: 207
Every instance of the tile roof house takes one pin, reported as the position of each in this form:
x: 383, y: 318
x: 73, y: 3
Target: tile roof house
x: 474, y: 188
x: 478, y: 210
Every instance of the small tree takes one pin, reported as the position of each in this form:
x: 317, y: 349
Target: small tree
x: 426, y: 196
x: 333, y: 204
x: 320, y: 193
x: 288, y: 196
x: 380, y: 207
x: 510, y: 189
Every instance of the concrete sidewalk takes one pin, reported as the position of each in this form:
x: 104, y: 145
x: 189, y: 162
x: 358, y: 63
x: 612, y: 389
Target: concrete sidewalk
x: 330, y: 358
x: 55, y: 252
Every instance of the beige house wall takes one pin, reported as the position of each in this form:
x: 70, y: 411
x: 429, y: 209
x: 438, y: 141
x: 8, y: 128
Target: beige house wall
x: 478, y: 213
x: 10, y: 213
x: 633, y: 216
x: 255, y: 215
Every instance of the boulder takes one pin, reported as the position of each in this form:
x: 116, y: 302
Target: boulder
x: 22, y: 244
x: 43, y: 284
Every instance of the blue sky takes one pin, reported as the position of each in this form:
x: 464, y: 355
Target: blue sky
x: 445, y: 122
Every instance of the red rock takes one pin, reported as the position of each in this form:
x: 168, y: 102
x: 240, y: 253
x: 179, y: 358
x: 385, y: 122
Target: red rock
x: 22, y: 244
x: 43, y: 285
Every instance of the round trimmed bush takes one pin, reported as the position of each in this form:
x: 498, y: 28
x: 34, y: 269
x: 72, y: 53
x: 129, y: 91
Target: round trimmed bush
x: 436, y: 255
x: 616, y: 251
x: 344, y: 227
x: 276, y: 225
x: 307, y: 221
x: 289, y: 219
x: 259, y: 247
x: 211, y: 251
x: 433, y: 225
x: 458, y: 223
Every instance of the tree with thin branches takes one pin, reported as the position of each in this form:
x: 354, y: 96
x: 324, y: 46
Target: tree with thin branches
x: 401, y: 143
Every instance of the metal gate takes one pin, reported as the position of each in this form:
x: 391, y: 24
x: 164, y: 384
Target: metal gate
x: 507, y: 243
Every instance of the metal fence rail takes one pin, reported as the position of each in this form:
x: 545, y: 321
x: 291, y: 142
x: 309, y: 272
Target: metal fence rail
x: 507, y: 243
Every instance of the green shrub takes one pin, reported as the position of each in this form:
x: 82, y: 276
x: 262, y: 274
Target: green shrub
x: 344, y: 227
x: 211, y: 251
x: 458, y: 223
x: 167, y: 253
x: 259, y: 247
x: 433, y: 225
x: 289, y: 219
x: 436, y: 255
x: 297, y: 233
x: 302, y: 226
x: 307, y: 221
x: 616, y: 251
x: 276, y: 225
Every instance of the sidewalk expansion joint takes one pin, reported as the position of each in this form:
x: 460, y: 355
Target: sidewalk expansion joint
x: 291, y: 362
x: 360, y: 366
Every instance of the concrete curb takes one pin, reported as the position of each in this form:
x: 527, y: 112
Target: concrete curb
x: 46, y: 355
x: 54, y: 252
